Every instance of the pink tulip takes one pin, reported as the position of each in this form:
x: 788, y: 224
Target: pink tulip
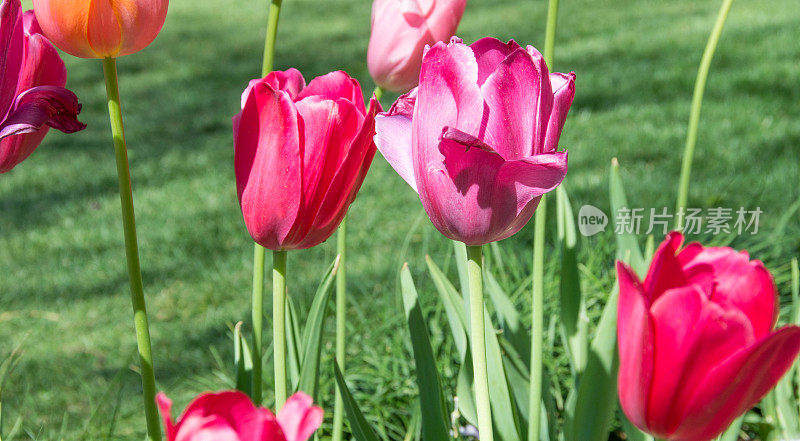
x: 231, y: 416
x: 400, y: 31
x: 477, y: 139
x: 696, y: 341
x: 301, y: 153
x: 32, y: 94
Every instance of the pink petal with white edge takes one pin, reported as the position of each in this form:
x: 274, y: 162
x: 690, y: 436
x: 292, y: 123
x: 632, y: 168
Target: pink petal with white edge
x: 299, y: 418
x: 532, y: 177
x: 393, y: 138
x: 563, y: 93
x: 489, y: 53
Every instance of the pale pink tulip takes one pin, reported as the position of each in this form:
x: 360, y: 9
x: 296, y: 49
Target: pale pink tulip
x: 32, y: 94
x: 477, y: 139
x: 400, y: 31
x: 697, y: 344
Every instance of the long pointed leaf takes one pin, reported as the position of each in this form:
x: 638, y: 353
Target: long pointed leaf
x: 243, y: 361
x: 627, y: 247
x: 431, y: 396
x: 362, y: 431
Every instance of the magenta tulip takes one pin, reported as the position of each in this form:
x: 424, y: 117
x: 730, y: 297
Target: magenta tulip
x: 301, y: 155
x: 696, y: 341
x: 231, y: 416
x: 477, y: 139
x: 400, y: 31
x: 32, y: 94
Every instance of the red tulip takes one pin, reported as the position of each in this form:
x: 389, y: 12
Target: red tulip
x: 231, y: 416
x: 32, y: 94
x: 696, y: 341
x: 478, y: 138
x: 101, y: 28
x: 400, y: 31
x: 301, y: 153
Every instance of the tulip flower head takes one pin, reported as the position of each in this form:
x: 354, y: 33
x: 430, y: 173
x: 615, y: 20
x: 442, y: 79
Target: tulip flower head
x: 32, y: 93
x: 400, y: 31
x: 101, y: 28
x: 231, y: 416
x: 301, y: 153
x: 697, y: 346
x: 477, y: 139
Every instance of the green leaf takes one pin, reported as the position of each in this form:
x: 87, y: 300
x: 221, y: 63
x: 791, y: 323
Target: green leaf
x: 508, y: 317
x: 358, y: 424
x: 591, y: 407
x: 243, y: 360
x: 312, y: 334
x: 627, y: 246
x: 431, y: 397
x: 452, y: 301
x: 573, y: 317
x: 293, y: 346
x: 732, y: 434
x: 631, y: 431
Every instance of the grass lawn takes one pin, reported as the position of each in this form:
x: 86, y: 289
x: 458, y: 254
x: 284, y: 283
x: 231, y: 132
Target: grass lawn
x: 63, y: 285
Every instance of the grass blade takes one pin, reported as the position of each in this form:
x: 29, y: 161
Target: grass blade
x: 243, y: 361
x: 431, y: 397
x: 627, y: 247
x: 312, y: 334
x: 358, y: 424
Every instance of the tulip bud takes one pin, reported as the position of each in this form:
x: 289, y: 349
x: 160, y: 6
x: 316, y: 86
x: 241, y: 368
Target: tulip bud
x: 400, y: 31
x: 101, y: 28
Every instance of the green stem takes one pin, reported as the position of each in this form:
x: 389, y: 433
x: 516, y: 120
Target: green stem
x: 537, y: 322
x: 259, y: 253
x: 540, y: 221
x: 279, y: 325
x: 694, y: 116
x: 272, y: 34
x: 257, y: 311
x: 341, y: 315
x: 481, y: 377
x: 132, y: 251
x: 341, y: 328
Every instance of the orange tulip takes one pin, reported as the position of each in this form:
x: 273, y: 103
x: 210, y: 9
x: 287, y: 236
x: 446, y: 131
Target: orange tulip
x: 101, y: 28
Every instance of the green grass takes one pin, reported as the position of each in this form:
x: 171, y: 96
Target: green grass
x: 63, y: 286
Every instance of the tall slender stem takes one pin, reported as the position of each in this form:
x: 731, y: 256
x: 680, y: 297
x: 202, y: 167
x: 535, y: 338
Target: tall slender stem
x: 257, y: 315
x: 540, y: 222
x: 341, y: 314
x: 279, y: 325
x: 482, y: 402
x: 341, y: 326
x: 259, y: 253
x: 694, y: 116
x: 272, y: 35
x: 132, y: 251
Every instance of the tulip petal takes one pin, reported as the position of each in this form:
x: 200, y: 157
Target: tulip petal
x: 290, y: 81
x: 140, y: 22
x: 489, y: 53
x: 742, y: 284
x: 103, y: 29
x: 393, y: 138
x: 54, y: 106
x: 11, y: 52
x: 165, y: 409
x: 737, y: 384
x: 226, y: 416
x: 335, y: 85
x: 636, y: 352
x: 689, y: 343
x: 666, y: 271
x: 299, y: 418
x: 267, y: 165
x: 563, y: 93
x: 532, y: 177
x: 514, y: 127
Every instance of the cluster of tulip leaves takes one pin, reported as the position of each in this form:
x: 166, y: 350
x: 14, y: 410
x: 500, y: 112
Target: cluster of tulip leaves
x: 590, y: 408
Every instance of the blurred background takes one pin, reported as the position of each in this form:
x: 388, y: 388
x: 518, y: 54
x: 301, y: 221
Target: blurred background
x: 64, y: 295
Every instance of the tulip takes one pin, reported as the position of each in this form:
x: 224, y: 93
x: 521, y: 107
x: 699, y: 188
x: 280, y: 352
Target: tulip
x: 400, y: 31
x: 697, y: 346
x: 32, y: 94
x: 301, y: 154
x: 101, y: 28
x: 477, y: 139
x: 231, y: 416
